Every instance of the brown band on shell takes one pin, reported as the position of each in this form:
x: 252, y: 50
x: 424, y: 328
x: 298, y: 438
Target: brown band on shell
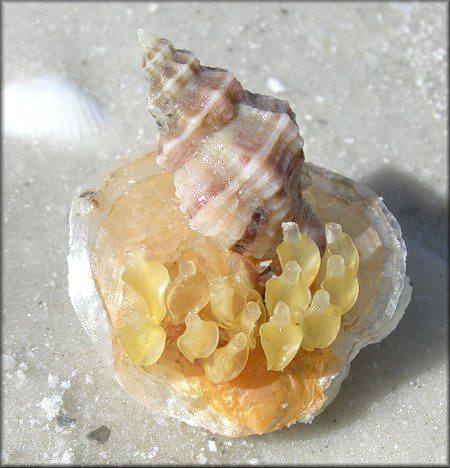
x: 257, y: 222
x: 198, y: 203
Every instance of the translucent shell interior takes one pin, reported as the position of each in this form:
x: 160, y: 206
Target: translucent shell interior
x: 257, y: 400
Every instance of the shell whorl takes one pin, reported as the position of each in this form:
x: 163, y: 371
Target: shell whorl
x: 236, y: 156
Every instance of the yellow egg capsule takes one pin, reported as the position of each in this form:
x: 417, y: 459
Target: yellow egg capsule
x: 246, y: 323
x: 289, y: 288
x: 338, y: 243
x: 341, y: 284
x: 280, y: 338
x: 238, y: 279
x: 238, y: 276
x: 200, y: 338
x: 149, y: 280
x: 254, y: 296
x: 321, y: 322
x: 300, y: 248
x: 143, y: 343
x: 221, y: 306
x: 189, y: 292
x: 135, y: 319
x: 227, y: 363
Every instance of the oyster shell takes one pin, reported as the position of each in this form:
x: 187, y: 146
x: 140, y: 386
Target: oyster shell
x: 132, y: 206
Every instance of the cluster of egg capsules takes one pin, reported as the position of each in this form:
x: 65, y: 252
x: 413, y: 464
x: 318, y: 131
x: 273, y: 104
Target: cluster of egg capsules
x: 218, y: 296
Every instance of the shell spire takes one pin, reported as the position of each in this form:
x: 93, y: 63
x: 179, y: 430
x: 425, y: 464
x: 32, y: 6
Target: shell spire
x: 237, y: 157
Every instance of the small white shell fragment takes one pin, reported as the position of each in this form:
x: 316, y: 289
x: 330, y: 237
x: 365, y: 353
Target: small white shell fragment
x: 7, y: 361
x: 212, y: 446
x: 276, y: 85
x: 50, y: 106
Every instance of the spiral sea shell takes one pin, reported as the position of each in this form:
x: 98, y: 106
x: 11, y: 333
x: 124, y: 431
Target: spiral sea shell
x: 236, y: 156
x: 145, y: 205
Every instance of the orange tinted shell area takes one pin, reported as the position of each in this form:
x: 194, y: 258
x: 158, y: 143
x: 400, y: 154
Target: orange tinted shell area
x: 147, y: 219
